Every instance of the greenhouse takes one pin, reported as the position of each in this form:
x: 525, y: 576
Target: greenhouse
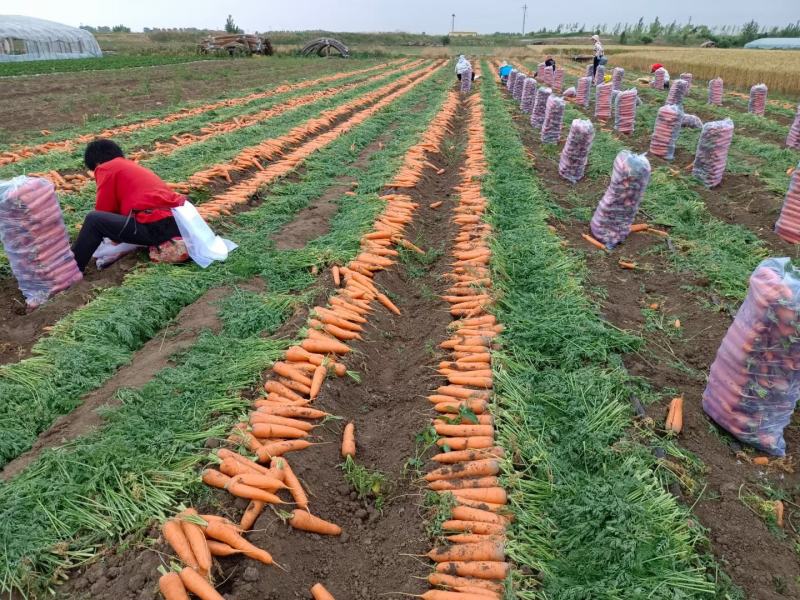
x: 27, y: 38
x: 775, y: 44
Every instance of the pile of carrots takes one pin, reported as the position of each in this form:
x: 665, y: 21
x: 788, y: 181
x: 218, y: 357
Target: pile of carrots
x: 19, y: 154
x: 473, y: 565
x: 241, y: 192
x: 282, y: 421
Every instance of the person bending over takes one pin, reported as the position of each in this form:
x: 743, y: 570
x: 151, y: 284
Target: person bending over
x: 504, y: 71
x: 133, y: 204
x: 462, y: 66
x: 655, y: 67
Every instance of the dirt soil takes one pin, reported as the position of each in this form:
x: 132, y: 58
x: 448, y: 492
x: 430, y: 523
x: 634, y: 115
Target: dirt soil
x: 396, y: 362
x: 758, y: 559
x: 53, y: 101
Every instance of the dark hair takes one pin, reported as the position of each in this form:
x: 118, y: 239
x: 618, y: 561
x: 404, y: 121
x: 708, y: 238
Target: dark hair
x: 99, y: 151
x: 550, y: 62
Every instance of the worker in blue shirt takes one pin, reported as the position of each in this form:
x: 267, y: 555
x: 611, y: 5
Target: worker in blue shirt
x: 505, y: 70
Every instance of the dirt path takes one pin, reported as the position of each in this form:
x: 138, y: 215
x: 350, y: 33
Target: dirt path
x: 757, y: 558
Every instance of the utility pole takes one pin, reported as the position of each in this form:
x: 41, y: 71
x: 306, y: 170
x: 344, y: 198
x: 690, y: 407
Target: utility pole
x: 453, y: 23
x: 524, y: 14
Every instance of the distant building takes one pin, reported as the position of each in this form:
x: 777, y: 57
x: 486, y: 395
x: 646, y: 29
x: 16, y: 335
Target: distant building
x: 775, y: 43
x: 464, y: 33
x: 27, y: 38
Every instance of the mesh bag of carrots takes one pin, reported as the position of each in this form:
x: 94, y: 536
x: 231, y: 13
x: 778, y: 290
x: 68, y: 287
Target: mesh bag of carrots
x: 715, y: 92
x: 35, y: 239
x: 658, y: 79
x: 466, y: 81
x: 793, y: 139
x: 612, y: 219
x: 553, y: 119
x: 575, y: 155
x: 666, y: 131
x: 758, y: 99
x: 712, y: 152
x: 539, y: 106
x: 688, y: 78
x: 599, y: 75
x: 602, y: 101
x: 678, y: 91
x: 584, y: 89
x: 558, y: 80
x: 788, y: 225
x: 528, y: 94
x: 753, y: 385
x: 519, y: 82
x: 625, y: 111
x: 617, y: 75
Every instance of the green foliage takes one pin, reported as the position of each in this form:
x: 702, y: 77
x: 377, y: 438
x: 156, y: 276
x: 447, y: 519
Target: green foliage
x: 37, y: 67
x: 244, y: 313
x: 231, y: 27
x: 368, y: 484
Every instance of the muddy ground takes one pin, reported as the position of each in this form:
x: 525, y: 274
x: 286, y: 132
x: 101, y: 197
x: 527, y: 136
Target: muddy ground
x: 30, y: 104
x: 758, y: 558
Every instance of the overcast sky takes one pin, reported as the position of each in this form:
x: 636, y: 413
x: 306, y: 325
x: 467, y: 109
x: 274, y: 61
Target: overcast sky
x: 431, y: 16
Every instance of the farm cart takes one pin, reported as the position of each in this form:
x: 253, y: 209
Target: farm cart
x: 236, y: 45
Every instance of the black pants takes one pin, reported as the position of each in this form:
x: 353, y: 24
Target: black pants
x: 459, y: 76
x: 596, y: 63
x: 119, y: 228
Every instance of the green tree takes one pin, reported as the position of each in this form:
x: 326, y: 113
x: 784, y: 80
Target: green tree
x: 623, y: 37
x: 231, y: 27
x: 646, y: 39
x: 655, y: 28
x: 749, y: 31
x: 120, y: 29
x: 445, y: 40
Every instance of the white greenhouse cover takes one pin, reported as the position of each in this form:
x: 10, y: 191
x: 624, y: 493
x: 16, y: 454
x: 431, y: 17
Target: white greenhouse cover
x: 775, y: 43
x: 27, y: 38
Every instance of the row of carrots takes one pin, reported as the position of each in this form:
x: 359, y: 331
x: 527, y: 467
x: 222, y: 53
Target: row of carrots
x: 241, y: 192
x: 75, y: 182
x: 282, y: 421
x: 19, y: 154
x: 473, y: 565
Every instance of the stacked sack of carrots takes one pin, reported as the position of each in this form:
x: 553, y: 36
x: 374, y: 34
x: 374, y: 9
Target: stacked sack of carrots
x: 788, y: 224
x: 35, y: 240
x: 282, y: 421
x: 583, y: 91
x: 625, y: 111
x: 528, y: 95
x: 753, y: 384
x: 19, y: 154
x: 599, y: 75
x: 553, y: 120
x: 473, y: 564
x: 691, y: 121
x: 241, y: 192
x: 512, y: 78
x: 666, y: 130
x: 711, y: 157
x: 547, y: 76
x: 575, y: 154
x: 614, y: 215
x: 602, y: 101
x: 687, y: 77
x: 519, y: 83
x: 715, y: 91
x: 539, y: 106
x: 678, y: 91
x: 758, y: 99
x: 558, y: 80
x: 617, y: 75
x: 658, y: 79
x: 793, y: 138
x: 589, y: 71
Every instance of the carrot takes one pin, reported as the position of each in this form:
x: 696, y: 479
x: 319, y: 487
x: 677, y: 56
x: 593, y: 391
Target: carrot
x: 305, y: 521
x: 268, y: 451
x: 228, y: 535
x: 195, y: 583
x: 303, y: 412
x: 463, y: 443
x: 455, y: 406
x: 241, y: 436
x: 221, y: 548
x: 494, y: 494
x: 316, y: 381
x: 464, y: 484
x: 325, y: 346
x: 478, y: 527
x: 251, y: 513
x: 171, y: 586
x: 674, y: 422
x: 319, y: 592
x: 480, y: 569
x: 295, y: 487
x: 453, y: 581
x: 270, y: 482
x: 383, y: 299
x: 761, y: 460
x: 468, y: 455
x: 349, y: 440
x: 462, y: 430
x: 176, y: 538
x: 491, y: 551
x: 477, y: 468
x: 260, y: 417
x: 473, y: 538
x: 285, y: 370
x: 779, y: 509
x: 297, y: 386
x: 627, y: 265
x: 479, y: 382
x: 462, y: 392
x: 465, y: 513
x: 636, y: 227
x: 197, y: 541
x: 593, y: 241
x: 435, y: 204
x: 279, y: 388
x: 657, y: 232
x: 271, y: 430
x: 224, y: 453
x: 444, y: 595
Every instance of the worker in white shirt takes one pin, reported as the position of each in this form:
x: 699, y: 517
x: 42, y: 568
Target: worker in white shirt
x: 598, y: 51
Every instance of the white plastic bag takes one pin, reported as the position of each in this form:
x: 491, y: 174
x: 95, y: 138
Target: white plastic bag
x: 203, y: 245
x: 110, y: 252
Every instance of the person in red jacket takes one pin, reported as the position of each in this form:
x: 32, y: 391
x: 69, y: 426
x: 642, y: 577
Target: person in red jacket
x: 133, y: 203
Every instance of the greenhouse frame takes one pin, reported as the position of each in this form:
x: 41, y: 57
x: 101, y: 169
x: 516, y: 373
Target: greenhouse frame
x: 775, y: 44
x: 28, y: 38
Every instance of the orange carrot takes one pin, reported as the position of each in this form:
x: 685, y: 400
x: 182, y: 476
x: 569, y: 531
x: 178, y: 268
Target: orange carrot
x: 270, y: 482
x: 435, y: 204
x: 465, y: 513
x: 224, y: 453
x: 445, y: 429
x: 761, y: 460
x: 260, y: 417
x: 479, y: 382
x: 171, y: 586
x: 477, y: 468
x: 285, y: 370
x: 481, y: 569
x: 593, y: 241
x: 316, y: 380
x: 295, y: 487
x: 279, y: 388
x: 779, y: 509
x: 383, y: 299
x: 195, y: 583
x: 468, y: 455
x: 674, y: 422
x: 297, y: 386
x: 349, y: 440
x: 495, y: 494
x: 176, y: 538
x: 445, y: 595
x: 303, y: 412
x: 337, y: 279
x: 251, y: 513
x: 636, y: 227
x: 463, y: 443
x: 473, y: 538
x: 307, y: 522
x: 271, y: 430
x: 221, y: 548
x: 268, y: 451
x: 464, y: 484
x: 462, y: 392
x: 228, y: 535
x: 325, y: 346
x: 197, y: 541
x: 319, y: 592
x: 491, y: 551
x: 478, y: 527
x: 453, y: 581
x: 455, y: 406
x: 627, y: 265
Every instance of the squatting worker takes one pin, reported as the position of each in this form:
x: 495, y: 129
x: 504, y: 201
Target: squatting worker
x: 133, y: 203
x: 598, y: 51
x: 504, y: 71
x: 462, y: 66
x: 549, y: 62
x: 655, y: 67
